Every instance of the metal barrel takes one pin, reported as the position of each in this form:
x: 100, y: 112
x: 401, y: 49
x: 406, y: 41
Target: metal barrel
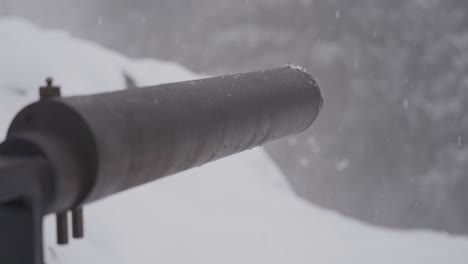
x: 101, y: 144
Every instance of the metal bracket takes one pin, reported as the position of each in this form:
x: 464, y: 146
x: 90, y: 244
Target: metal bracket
x: 48, y: 92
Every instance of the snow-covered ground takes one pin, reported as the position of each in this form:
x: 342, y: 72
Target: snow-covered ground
x: 236, y: 210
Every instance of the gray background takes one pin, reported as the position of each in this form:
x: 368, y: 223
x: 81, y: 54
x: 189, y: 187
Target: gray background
x: 389, y: 146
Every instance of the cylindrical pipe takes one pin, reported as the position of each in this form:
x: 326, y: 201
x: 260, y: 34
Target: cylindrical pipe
x: 115, y: 141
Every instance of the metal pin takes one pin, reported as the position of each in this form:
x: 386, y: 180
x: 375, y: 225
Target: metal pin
x: 62, y: 228
x: 77, y: 222
x: 49, y: 91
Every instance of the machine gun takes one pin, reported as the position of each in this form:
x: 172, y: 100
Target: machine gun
x: 62, y: 153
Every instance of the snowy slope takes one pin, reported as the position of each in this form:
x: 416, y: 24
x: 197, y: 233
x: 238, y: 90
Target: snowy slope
x: 236, y: 210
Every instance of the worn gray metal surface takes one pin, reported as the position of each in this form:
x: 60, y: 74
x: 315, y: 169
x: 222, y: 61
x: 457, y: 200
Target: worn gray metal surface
x: 97, y: 145
x: 105, y: 143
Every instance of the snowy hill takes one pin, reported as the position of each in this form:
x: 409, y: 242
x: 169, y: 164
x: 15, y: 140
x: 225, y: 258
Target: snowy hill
x: 236, y: 210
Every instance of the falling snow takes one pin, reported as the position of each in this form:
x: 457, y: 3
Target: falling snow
x: 337, y: 13
x: 342, y: 165
x: 313, y: 144
x: 292, y: 141
x: 304, y: 162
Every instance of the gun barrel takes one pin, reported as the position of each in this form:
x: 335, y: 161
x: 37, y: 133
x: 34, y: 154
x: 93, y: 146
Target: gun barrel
x: 105, y: 143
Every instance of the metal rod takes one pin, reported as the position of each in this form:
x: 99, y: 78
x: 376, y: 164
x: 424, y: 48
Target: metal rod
x: 77, y: 222
x: 62, y: 228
